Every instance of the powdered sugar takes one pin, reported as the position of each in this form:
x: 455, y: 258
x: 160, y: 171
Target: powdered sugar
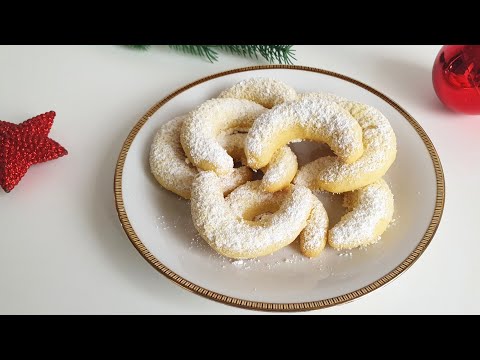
x: 317, y: 120
x: 238, y: 263
x: 200, y: 129
x: 371, y: 212
x: 167, y: 159
x: 322, y: 96
x: 378, y: 155
x: 277, y: 174
x: 174, y: 171
x: 217, y: 131
x: 249, y: 196
x: 238, y: 176
x: 314, y: 236
x: 248, y: 199
x: 283, y: 163
x: 238, y: 238
x: 264, y: 91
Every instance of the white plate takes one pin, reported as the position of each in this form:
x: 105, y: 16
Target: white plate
x: 159, y: 223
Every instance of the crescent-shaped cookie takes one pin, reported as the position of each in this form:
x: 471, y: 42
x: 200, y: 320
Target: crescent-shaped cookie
x: 277, y: 175
x: 174, y: 172
x: 380, y: 148
x: 238, y: 238
x: 264, y: 91
x: 248, y: 201
x: 201, y: 128
x: 307, y: 119
x: 370, y: 212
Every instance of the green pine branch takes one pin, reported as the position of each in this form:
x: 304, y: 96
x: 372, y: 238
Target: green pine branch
x: 198, y: 50
x: 140, y: 47
x: 282, y: 54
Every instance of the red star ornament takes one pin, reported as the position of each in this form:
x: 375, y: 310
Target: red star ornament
x: 24, y: 145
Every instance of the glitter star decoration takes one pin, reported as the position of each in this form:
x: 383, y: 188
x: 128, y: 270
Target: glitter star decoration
x: 23, y: 145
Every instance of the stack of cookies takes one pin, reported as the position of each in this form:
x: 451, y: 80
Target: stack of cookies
x: 249, y: 198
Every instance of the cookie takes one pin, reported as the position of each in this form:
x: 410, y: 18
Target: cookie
x: 238, y: 238
x: 330, y: 173
x: 250, y: 202
x: 174, y: 172
x: 264, y: 91
x: 307, y: 119
x: 370, y: 212
x: 201, y: 128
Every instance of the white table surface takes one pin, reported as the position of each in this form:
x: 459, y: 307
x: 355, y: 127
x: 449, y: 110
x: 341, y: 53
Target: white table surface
x: 62, y: 249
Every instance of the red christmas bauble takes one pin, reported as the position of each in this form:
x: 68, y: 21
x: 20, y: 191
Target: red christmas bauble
x: 456, y: 77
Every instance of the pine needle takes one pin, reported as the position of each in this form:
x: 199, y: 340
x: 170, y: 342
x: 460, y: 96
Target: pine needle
x: 282, y: 54
x: 198, y: 50
x: 139, y: 47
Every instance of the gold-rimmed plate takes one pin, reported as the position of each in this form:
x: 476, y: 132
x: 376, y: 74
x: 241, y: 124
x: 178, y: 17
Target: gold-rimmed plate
x: 159, y: 224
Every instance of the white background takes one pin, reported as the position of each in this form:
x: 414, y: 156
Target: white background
x: 62, y: 249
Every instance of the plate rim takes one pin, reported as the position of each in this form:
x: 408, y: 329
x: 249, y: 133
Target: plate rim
x: 267, y: 306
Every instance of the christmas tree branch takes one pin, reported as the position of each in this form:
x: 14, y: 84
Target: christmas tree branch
x: 198, y: 50
x: 283, y: 54
x: 139, y: 47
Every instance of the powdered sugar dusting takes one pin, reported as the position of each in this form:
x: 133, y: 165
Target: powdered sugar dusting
x: 250, y: 196
x: 237, y: 126
x: 283, y: 163
x: 238, y: 238
x: 200, y: 129
x: 317, y: 120
x: 378, y: 155
x: 238, y: 176
x: 172, y: 169
x: 277, y: 174
x: 167, y: 159
x: 322, y: 96
x: 315, y: 233
x: 264, y: 91
x: 371, y: 212
x: 233, y: 143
